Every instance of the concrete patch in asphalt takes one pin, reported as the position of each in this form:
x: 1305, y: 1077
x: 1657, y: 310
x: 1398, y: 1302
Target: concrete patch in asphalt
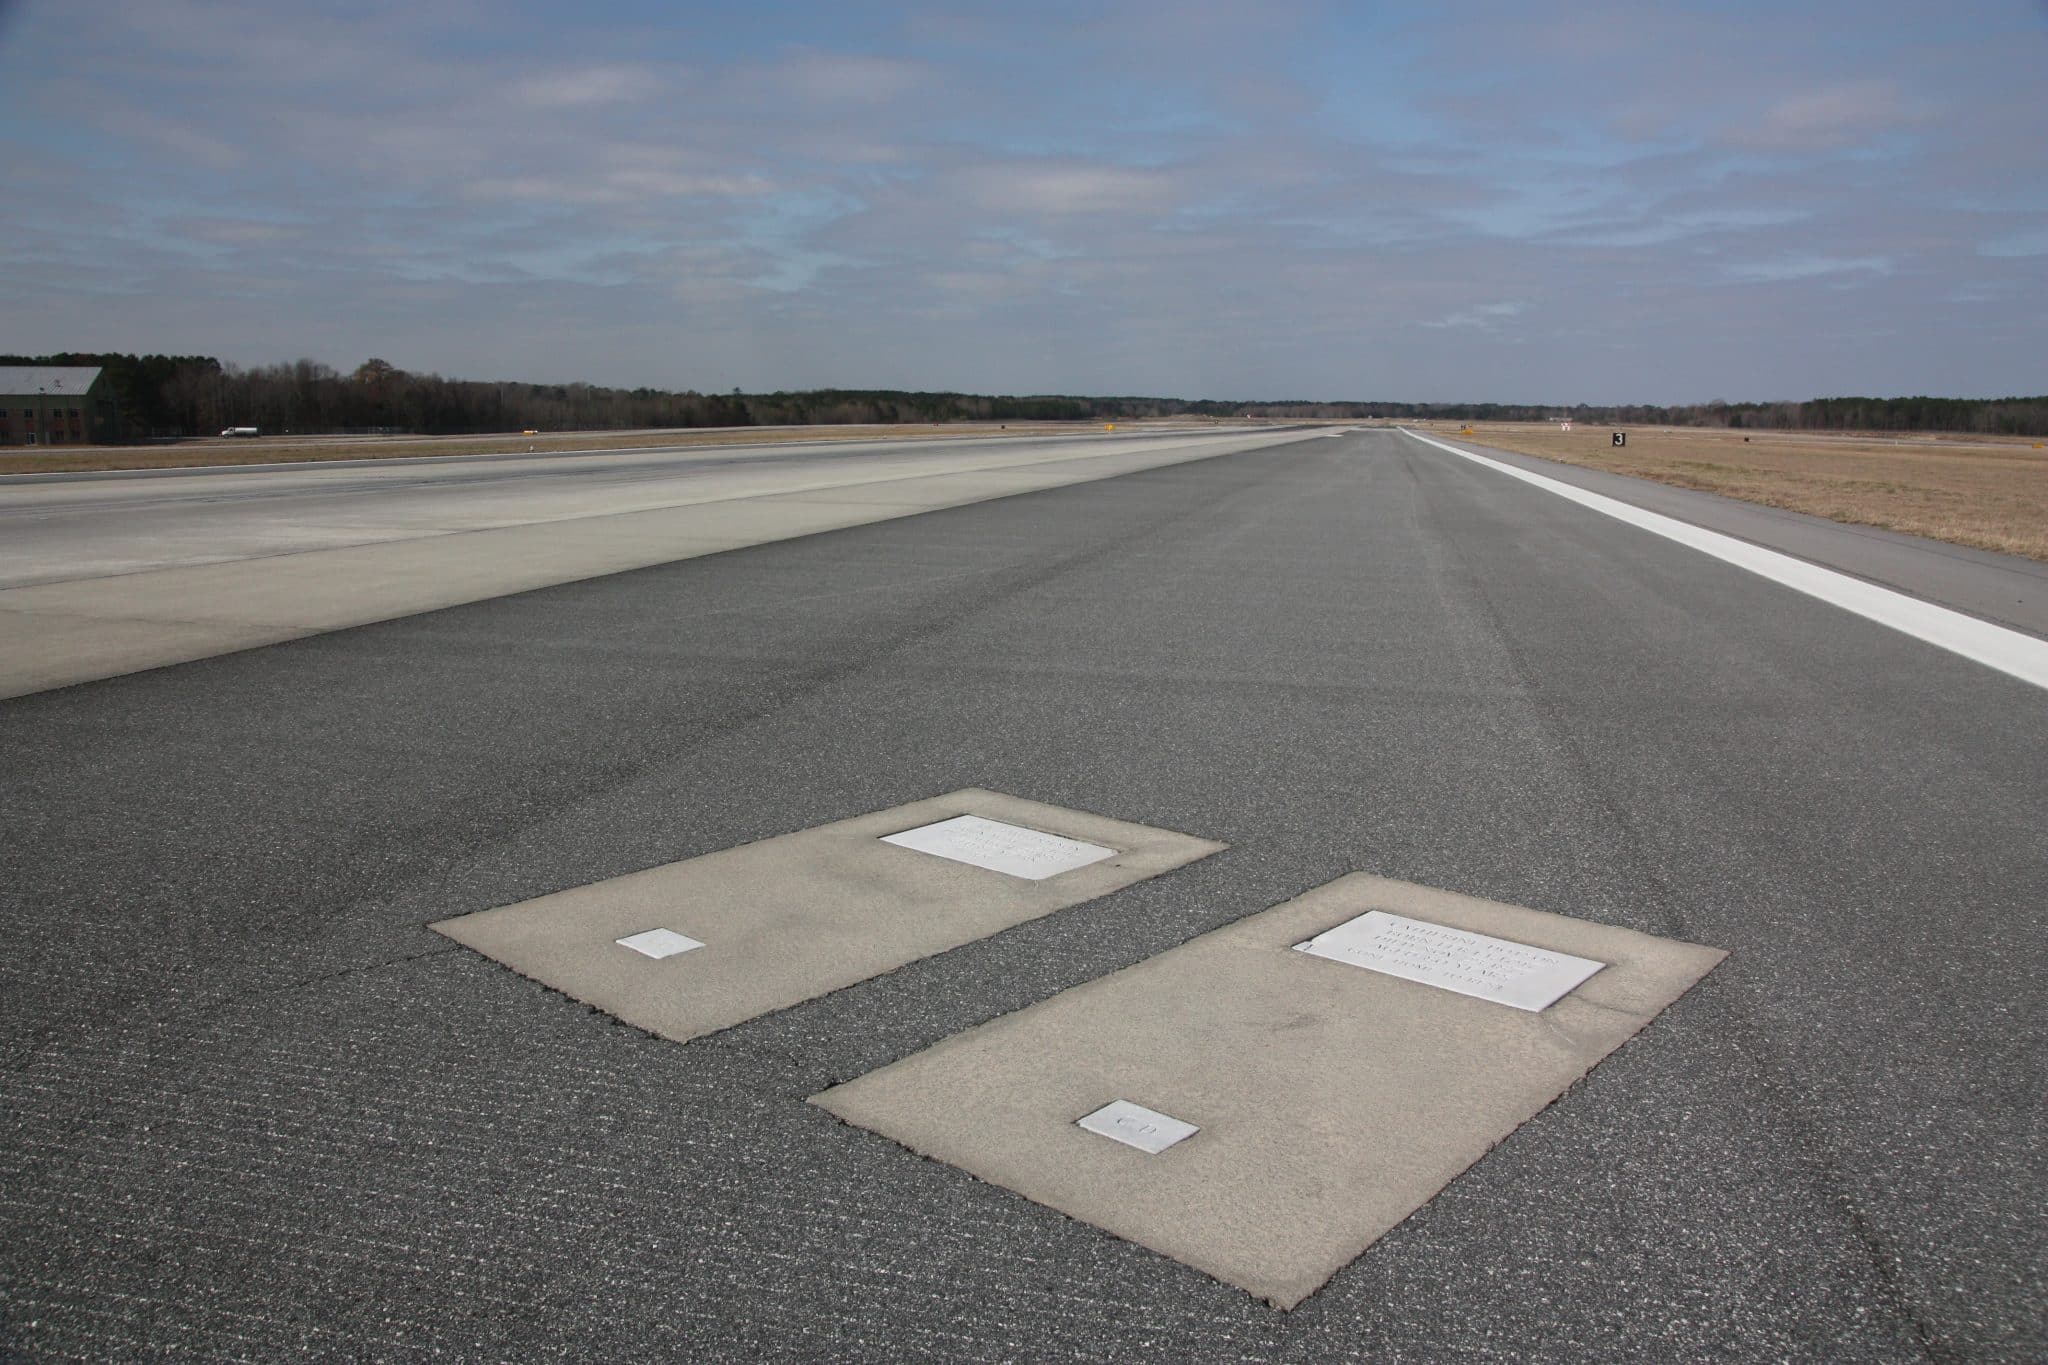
x: 796, y: 916
x: 1329, y: 1102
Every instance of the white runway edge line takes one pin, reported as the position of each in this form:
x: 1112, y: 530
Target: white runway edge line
x: 2009, y: 651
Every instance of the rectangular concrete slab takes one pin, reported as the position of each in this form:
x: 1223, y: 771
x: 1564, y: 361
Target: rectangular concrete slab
x: 796, y: 916
x: 1328, y: 1102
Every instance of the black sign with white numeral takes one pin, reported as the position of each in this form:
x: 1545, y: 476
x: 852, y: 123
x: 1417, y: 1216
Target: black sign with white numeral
x: 1621, y: 438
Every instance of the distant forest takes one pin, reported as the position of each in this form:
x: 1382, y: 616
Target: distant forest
x: 164, y: 396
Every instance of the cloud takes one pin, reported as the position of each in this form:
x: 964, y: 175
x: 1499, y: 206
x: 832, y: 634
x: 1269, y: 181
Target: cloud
x: 1829, y: 118
x: 1484, y: 316
x: 234, y: 232
x: 1216, y: 196
x: 588, y: 86
x: 847, y: 78
x: 1677, y: 224
x: 1068, y: 187
x: 619, y: 185
x: 180, y: 140
x: 1803, y: 268
x: 2019, y: 244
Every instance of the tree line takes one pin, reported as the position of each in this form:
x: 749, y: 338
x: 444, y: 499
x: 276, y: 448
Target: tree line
x: 166, y: 396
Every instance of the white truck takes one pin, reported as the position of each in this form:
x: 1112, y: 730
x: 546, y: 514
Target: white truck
x: 238, y: 431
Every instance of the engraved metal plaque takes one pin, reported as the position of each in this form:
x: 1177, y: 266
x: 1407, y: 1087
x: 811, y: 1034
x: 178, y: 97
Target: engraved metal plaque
x: 1496, y: 969
x: 658, y: 943
x: 1136, y: 1126
x: 1012, y: 849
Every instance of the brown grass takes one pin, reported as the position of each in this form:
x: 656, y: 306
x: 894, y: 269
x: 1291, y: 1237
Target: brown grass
x: 1984, y: 491
x: 309, y: 449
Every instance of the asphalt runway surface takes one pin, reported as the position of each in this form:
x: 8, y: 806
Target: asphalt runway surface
x: 254, y: 1107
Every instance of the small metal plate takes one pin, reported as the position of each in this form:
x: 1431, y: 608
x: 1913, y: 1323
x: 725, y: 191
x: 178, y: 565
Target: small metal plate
x: 1496, y: 969
x: 1136, y: 1126
x: 658, y: 943
x: 1012, y: 849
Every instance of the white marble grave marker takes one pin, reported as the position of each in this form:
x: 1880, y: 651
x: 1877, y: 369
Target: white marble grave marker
x: 1479, y: 965
x: 1013, y: 849
x: 1136, y: 1126
x: 658, y: 943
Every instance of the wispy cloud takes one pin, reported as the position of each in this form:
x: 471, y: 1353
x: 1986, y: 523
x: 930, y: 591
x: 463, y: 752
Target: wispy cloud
x: 1484, y: 316
x: 1787, y: 268
x: 1830, y: 117
x: 1170, y: 195
x: 846, y: 78
x: 2017, y: 245
x: 619, y: 185
x: 233, y: 232
x: 589, y: 85
x: 1067, y: 187
x: 169, y: 138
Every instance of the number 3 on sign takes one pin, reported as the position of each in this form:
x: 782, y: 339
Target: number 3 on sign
x: 1621, y: 438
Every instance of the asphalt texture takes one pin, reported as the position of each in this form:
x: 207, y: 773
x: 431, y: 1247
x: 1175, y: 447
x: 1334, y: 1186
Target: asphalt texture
x: 252, y: 1106
x: 2008, y: 590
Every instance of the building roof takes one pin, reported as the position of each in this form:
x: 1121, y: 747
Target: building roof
x: 18, y: 380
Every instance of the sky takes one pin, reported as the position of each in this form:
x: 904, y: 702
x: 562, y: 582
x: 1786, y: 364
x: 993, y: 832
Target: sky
x: 1555, y: 203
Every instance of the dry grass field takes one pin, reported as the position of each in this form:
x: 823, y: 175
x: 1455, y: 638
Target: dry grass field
x: 298, y: 449
x: 1985, y: 491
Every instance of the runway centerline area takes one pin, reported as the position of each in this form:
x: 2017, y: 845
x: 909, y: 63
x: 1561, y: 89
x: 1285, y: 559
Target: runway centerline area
x: 257, y: 1105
